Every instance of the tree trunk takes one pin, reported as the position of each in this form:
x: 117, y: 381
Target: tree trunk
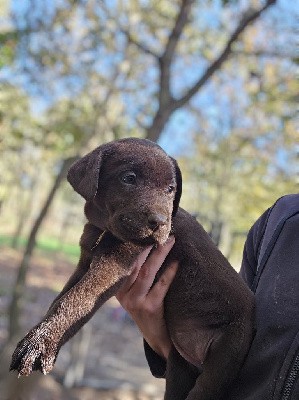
x: 19, y: 228
x: 25, y: 206
x: 1, y: 204
x: 167, y: 103
x: 154, y: 131
x: 78, y: 357
x: 226, y: 240
x: 14, y: 309
x: 215, y: 231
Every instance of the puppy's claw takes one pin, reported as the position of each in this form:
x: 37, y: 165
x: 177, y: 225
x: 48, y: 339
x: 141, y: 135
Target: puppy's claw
x: 35, y: 352
x: 47, y: 363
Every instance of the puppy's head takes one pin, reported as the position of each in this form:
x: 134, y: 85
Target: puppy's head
x: 132, y: 188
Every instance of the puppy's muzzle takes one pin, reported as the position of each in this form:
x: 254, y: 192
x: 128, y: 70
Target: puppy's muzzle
x: 143, y: 225
x: 154, y: 221
x: 149, y: 222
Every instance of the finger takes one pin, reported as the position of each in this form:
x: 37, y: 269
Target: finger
x: 158, y: 292
x: 140, y: 260
x: 147, y: 273
x: 140, y: 281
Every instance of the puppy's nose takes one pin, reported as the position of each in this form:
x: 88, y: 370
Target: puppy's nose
x: 156, y: 220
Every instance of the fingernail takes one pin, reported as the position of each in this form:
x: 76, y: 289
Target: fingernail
x: 170, y: 239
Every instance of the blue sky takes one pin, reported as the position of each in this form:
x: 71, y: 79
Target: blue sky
x: 176, y: 135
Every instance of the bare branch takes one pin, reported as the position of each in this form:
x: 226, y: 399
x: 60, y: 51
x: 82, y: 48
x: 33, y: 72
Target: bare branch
x: 263, y: 53
x: 247, y: 19
x: 166, y: 59
x: 173, y: 39
x: 128, y: 35
x: 138, y: 44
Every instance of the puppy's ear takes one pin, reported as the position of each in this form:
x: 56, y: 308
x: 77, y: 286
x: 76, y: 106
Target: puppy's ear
x: 178, y: 193
x: 84, y: 174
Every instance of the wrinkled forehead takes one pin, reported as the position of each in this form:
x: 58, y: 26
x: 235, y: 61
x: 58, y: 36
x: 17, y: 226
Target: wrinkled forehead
x: 150, y: 163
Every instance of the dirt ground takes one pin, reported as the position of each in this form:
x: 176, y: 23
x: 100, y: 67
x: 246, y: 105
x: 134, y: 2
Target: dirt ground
x: 111, y: 365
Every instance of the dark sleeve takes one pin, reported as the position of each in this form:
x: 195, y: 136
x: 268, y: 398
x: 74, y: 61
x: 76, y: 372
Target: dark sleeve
x: 156, y: 363
x: 252, y: 248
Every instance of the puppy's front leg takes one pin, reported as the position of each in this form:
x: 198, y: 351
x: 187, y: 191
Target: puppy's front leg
x: 39, y: 348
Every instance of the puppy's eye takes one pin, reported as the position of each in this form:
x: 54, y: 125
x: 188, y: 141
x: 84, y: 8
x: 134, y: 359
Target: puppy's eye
x: 170, y: 188
x: 129, y: 178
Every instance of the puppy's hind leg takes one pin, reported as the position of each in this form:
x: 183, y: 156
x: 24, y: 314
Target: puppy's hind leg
x: 180, y: 376
x: 224, y: 359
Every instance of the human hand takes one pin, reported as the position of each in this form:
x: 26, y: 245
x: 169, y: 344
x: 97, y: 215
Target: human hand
x: 145, y: 303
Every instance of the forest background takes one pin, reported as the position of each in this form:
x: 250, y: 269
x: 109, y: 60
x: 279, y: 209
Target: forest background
x: 213, y: 82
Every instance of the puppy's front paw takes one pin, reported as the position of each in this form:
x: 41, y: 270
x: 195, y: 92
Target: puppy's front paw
x: 37, y: 351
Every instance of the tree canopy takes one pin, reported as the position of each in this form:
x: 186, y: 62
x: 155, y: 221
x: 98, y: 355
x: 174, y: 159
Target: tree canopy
x: 212, y: 81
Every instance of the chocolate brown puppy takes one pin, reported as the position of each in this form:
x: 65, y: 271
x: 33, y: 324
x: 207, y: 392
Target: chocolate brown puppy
x: 132, y: 190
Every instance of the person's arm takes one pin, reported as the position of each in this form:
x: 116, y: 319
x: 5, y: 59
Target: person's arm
x: 145, y: 303
x: 252, y: 248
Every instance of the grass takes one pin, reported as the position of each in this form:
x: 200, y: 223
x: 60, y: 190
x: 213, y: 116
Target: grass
x: 47, y: 245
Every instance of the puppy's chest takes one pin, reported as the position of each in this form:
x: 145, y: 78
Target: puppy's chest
x: 187, y: 276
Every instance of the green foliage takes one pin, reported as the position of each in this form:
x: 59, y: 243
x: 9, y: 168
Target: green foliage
x: 53, y: 245
x: 7, y: 53
x: 9, y: 37
x: 92, y: 73
x: 47, y: 245
x: 231, y: 178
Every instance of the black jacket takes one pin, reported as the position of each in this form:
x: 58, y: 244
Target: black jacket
x: 270, y: 267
